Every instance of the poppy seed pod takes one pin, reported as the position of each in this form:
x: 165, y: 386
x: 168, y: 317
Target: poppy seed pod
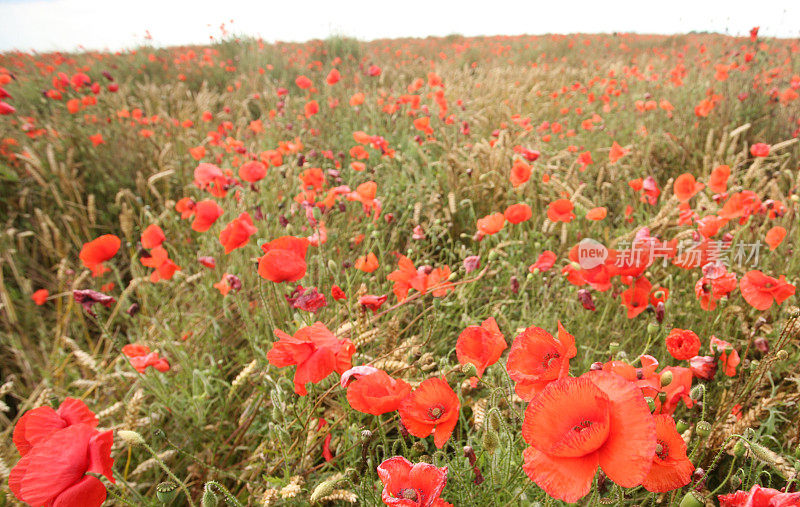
x: 692, y: 499
x: 681, y: 426
x: 209, y: 498
x: 131, y: 437
x: 739, y: 449
x: 469, y: 370
x: 666, y: 378
x: 490, y: 441
x: 166, y: 492
x: 703, y: 428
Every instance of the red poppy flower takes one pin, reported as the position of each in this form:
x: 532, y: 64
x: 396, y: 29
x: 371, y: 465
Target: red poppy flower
x: 520, y: 172
x: 252, y: 171
x: 207, y: 261
x: 377, y: 393
x: 88, y: 297
x: 411, y: 485
x: 303, y: 82
x: 740, y: 205
x: 636, y: 297
x: 372, y: 302
x: 759, y: 290
x: 333, y: 77
x: 728, y: 356
x: 683, y: 344
x: 40, y: 296
x: 671, y: 467
x: 284, y: 259
x: 37, y: 425
x: 491, y: 224
x: 205, y: 214
x: 316, y: 352
x: 716, y: 283
x: 775, y: 237
x: 560, y: 211
x: 99, y: 250
x: 54, y: 471
x: 536, y: 359
x: 308, y: 300
x: 185, y: 207
x: 141, y: 357
x: 759, y: 150
x: 432, y: 408
x: 367, y: 263
x: 759, y: 497
x: 703, y: 367
x: 311, y: 108
x: 480, y: 345
x: 152, y: 236
x: 718, y: 181
x: 596, y: 214
x: 210, y: 177
x: 545, y: 261
x: 337, y: 293
x: 422, y: 279
x: 237, y: 233
x: 517, y: 213
x: 616, y: 152
x: 685, y: 187
x: 578, y: 424
x: 6, y: 108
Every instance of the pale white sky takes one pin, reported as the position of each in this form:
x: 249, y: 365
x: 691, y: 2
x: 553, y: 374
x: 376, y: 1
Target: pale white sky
x: 118, y: 24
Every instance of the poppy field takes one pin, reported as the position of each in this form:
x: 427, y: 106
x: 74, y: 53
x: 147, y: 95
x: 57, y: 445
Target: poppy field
x: 469, y: 271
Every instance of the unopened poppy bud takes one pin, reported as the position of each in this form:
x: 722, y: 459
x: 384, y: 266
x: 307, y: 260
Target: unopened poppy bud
x: 469, y: 453
x: 661, y: 311
x: 782, y: 355
x: 681, y: 426
x: 332, y: 266
x: 692, y: 499
x: 209, y: 498
x: 703, y: 428
x: 666, y: 378
x: 739, y: 449
x: 495, y: 423
x: 469, y: 370
x: 514, y: 284
x: 131, y: 437
x: 324, y: 489
x: 490, y: 441
x: 166, y: 492
x: 133, y: 309
x: 697, y: 392
x: 762, y: 345
x: 585, y: 297
x: 763, y: 454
